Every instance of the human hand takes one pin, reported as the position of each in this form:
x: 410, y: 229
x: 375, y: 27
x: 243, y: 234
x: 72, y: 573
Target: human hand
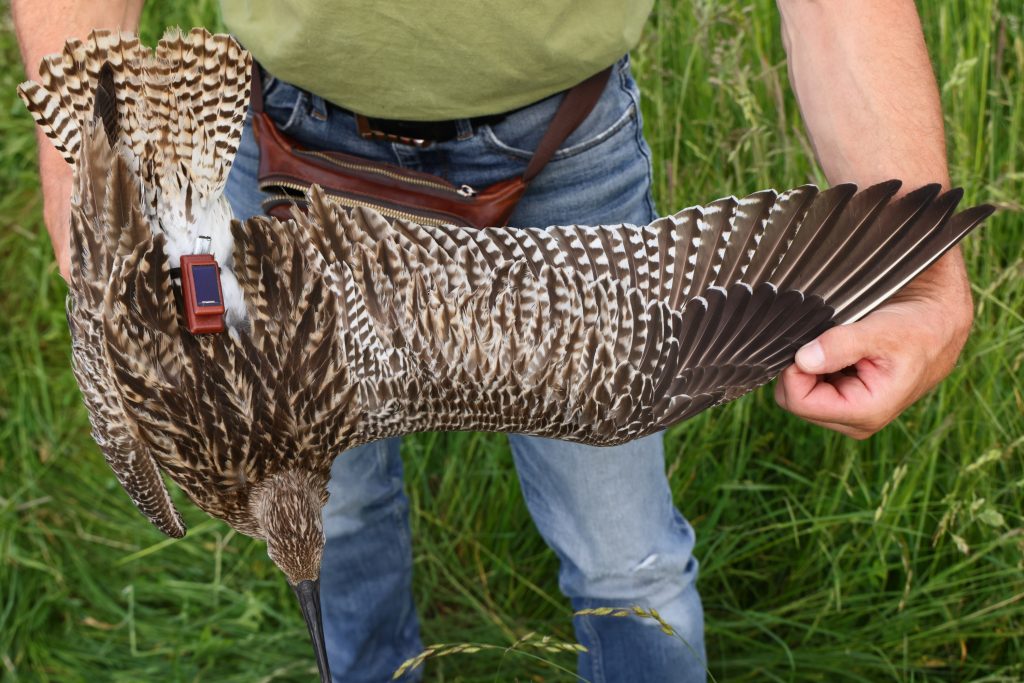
x: 856, y: 378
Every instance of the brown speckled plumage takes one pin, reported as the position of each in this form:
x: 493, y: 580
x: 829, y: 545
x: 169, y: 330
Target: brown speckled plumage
x: 605, y: 334
x: 176, y: 115
x: 354, y: 329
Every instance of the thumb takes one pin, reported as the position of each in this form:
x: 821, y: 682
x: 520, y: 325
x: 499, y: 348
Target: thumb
x: 837, y: 348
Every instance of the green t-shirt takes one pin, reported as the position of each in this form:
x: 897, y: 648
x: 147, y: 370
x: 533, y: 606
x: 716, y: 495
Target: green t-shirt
x: 435, y: 60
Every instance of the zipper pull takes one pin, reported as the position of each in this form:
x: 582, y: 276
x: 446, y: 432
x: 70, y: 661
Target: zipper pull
x: 466, y: 191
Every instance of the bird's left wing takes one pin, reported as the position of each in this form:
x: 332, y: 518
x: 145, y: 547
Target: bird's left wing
x: 106, y: 217
x: 667, y: 319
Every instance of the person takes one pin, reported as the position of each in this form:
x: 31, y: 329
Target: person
x: 864, y: 84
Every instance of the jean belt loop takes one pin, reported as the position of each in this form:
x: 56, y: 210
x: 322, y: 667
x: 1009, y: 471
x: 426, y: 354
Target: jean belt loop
x: 318, y: 107
x: 463, y: 129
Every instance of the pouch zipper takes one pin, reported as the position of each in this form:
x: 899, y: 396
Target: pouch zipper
x: 384, y: 210
x: 463, y: 191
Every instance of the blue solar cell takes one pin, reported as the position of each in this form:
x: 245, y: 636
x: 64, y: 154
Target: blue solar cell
x: 207, y: 291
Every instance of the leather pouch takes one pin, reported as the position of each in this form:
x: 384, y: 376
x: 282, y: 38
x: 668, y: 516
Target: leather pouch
x: 286, y: 171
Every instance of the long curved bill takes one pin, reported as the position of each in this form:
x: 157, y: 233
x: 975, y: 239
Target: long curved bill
x: 308, y: 593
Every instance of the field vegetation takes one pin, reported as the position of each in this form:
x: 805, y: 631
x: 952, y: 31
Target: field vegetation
x: 900, y: 558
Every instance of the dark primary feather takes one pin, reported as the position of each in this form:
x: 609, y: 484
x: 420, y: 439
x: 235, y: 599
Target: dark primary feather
x: 105, y: 103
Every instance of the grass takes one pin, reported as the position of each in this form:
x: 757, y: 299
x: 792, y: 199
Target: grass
x: 896, y: 559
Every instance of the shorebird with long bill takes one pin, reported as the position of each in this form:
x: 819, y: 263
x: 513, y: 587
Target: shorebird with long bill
x: 341, y: 327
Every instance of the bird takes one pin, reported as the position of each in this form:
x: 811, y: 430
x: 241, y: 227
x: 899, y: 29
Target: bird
x: 344, y: 326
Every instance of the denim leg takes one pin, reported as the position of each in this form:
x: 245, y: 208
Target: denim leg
x: 608, y: 512
x: 370, y: 622
x: 608, y: 515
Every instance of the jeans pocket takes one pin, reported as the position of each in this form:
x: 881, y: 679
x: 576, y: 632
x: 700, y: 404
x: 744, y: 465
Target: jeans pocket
x: 283, y: 102
x: 519, y: 133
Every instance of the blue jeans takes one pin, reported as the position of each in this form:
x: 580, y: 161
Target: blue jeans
x: 606, y: 512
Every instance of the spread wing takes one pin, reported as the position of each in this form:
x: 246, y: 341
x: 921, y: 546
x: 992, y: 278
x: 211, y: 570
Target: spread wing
x: 151, y: 137
x: 603, y: 334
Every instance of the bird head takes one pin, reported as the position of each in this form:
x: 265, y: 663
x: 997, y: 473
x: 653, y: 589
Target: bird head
x: 288, y: 508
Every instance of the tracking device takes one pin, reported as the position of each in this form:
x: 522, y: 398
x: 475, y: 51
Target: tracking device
x: 200, y: 288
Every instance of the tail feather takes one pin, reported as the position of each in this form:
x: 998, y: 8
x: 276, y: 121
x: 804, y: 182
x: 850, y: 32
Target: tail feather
x: 105, y: 104
x: 203, y: 99
x: 62, y: 101
x: 182, y: 107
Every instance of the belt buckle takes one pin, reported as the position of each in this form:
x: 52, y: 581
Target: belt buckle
x: 368, y: 132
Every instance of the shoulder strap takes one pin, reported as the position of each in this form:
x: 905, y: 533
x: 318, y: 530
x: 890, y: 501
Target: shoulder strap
x: 256, y: 88
x: 575, y: 107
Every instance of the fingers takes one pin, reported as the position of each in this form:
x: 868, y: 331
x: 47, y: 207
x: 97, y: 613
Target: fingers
x: 853, y: 379
x: 844, y: 403
x: 837, y: 348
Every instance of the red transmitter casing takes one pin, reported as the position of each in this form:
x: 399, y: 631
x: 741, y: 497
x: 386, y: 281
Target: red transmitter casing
x: 200, y: 288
